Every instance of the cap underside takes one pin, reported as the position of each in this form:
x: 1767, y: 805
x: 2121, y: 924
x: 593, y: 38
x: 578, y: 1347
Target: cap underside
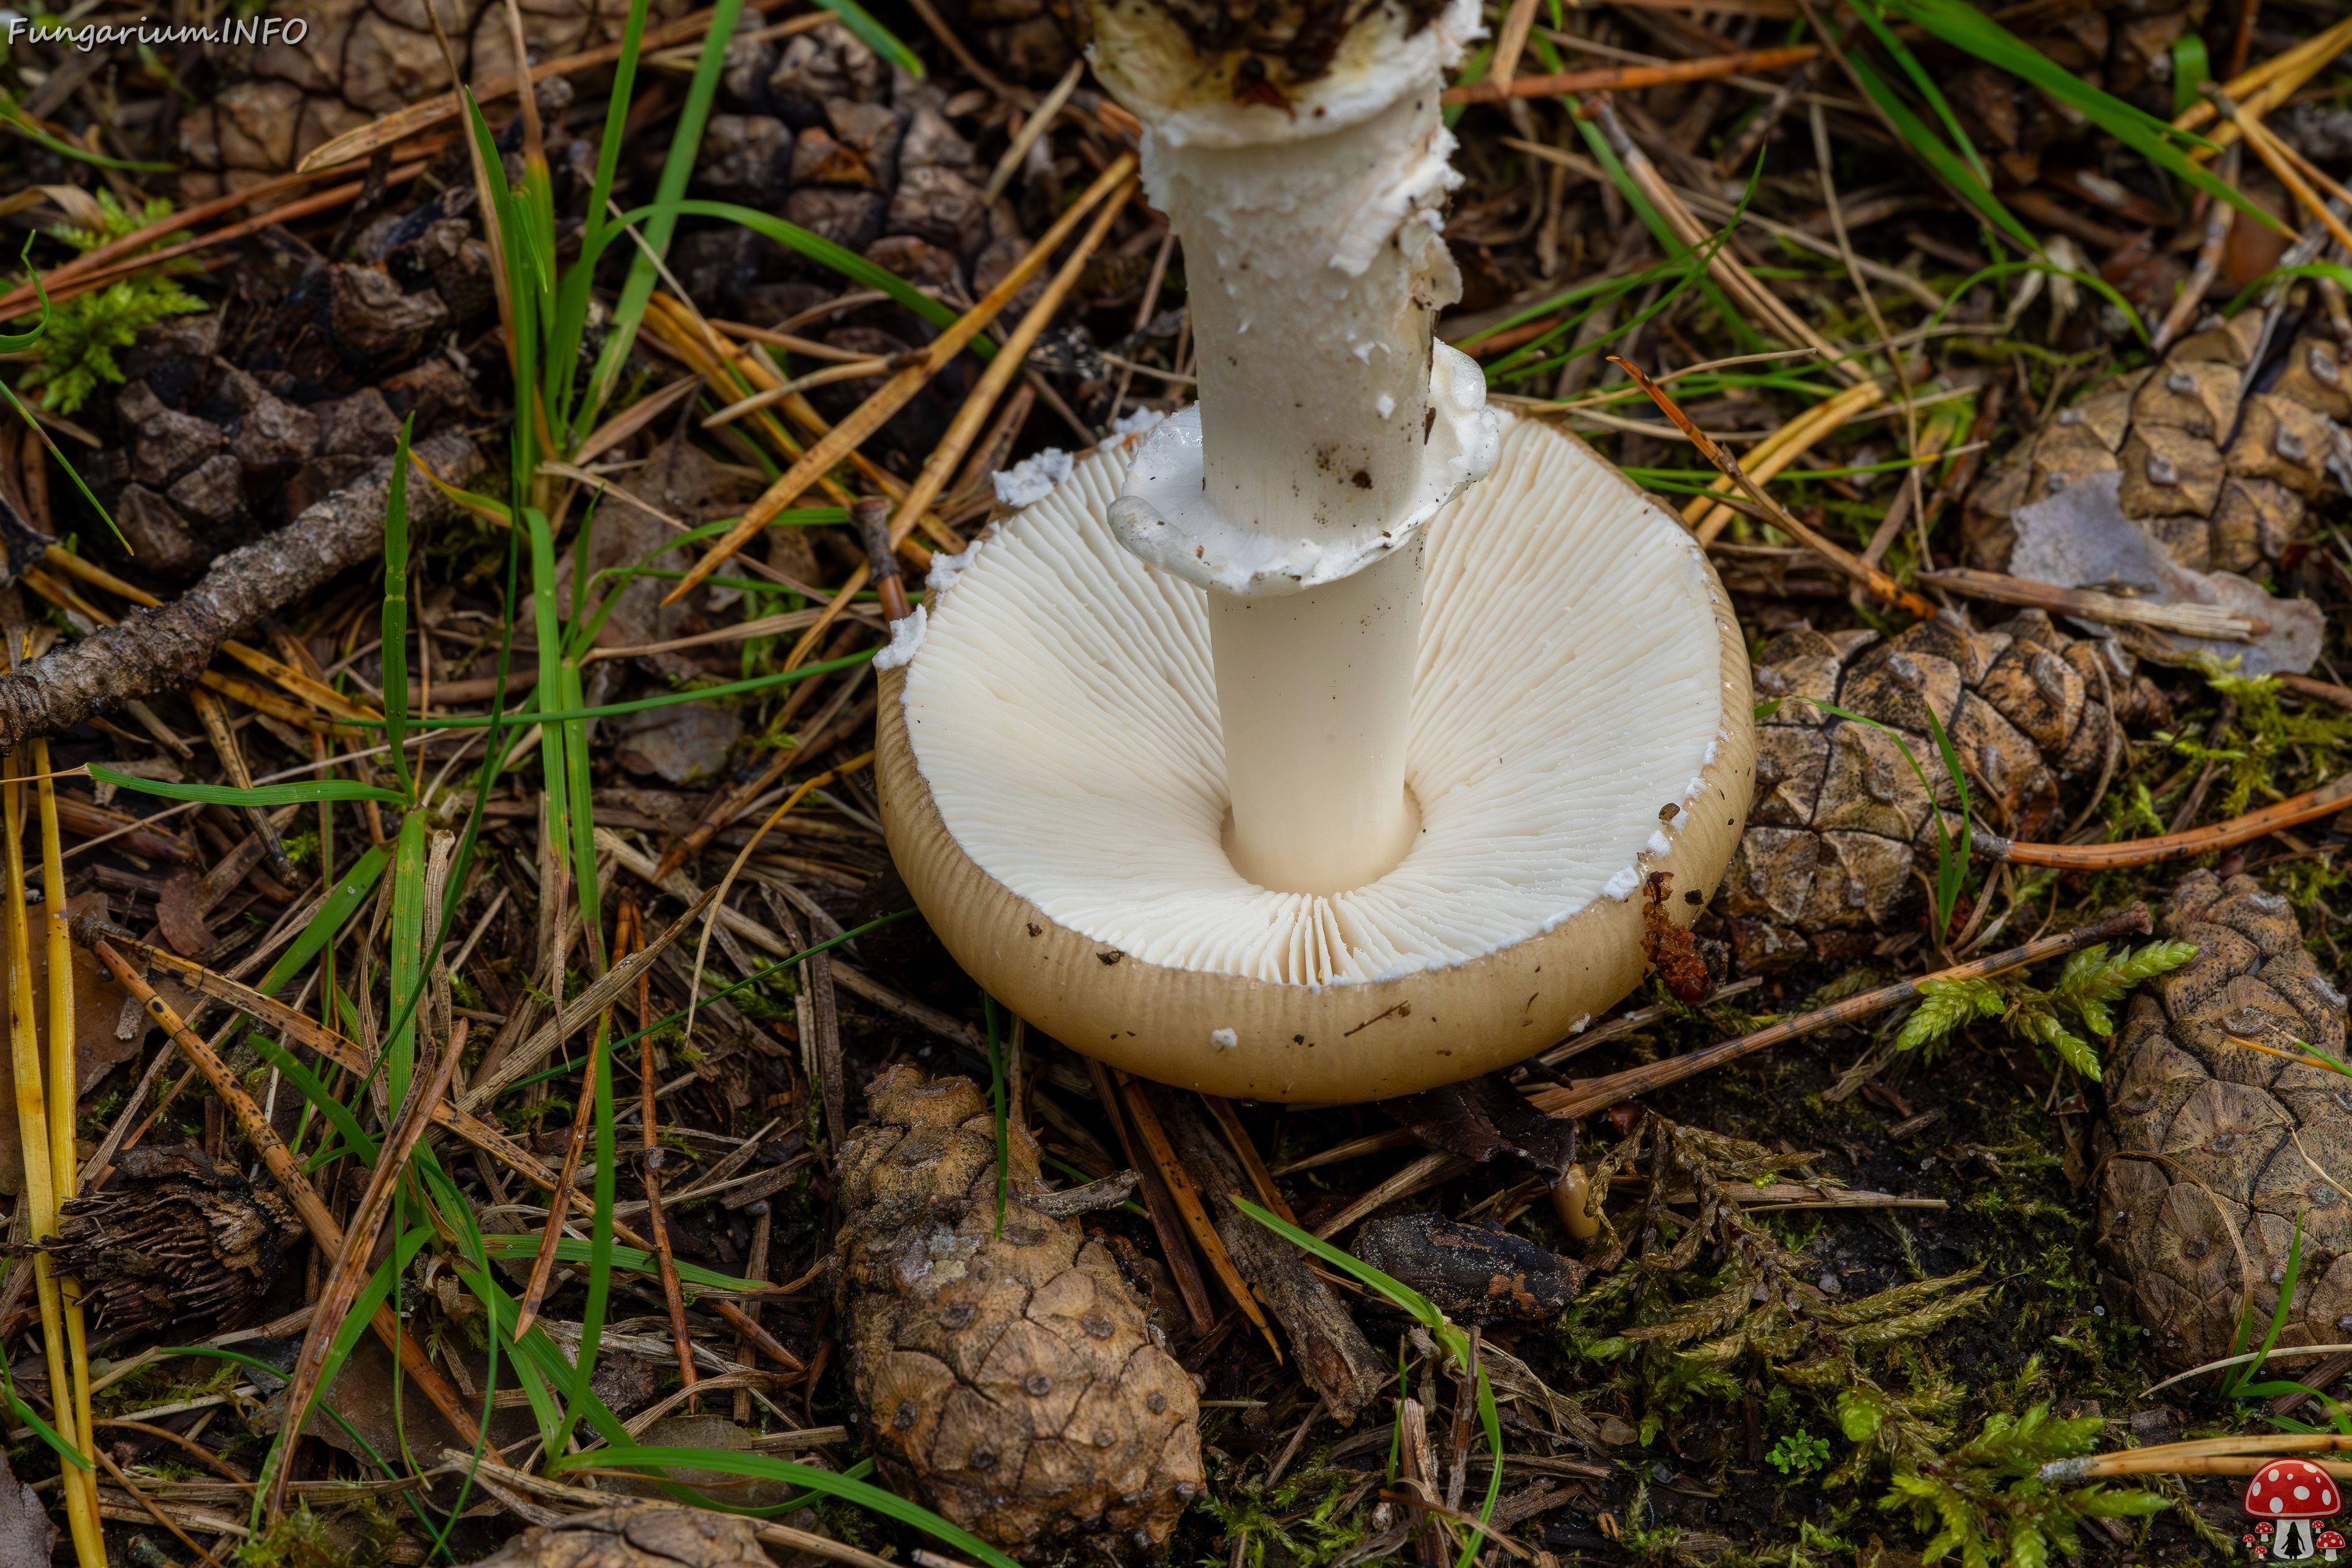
x: 1569, y: 696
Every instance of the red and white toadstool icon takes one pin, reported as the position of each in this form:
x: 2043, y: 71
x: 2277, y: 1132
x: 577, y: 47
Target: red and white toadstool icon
x: 2331, y: 1541
x: 2294, y: 1493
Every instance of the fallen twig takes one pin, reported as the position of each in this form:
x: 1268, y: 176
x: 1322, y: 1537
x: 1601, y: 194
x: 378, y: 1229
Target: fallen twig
x: 2166, y: 1457
x: 1590, y: 1095
x: 1708, y: 515
x: 2326, y: 801
x: 2190, y: 620
x: 159, y: 651
x: 1609, y: 78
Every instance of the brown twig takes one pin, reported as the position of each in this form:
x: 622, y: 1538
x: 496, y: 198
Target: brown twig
x: 1188, y: 1204
x: 2310, y: 806
x: 1158, y: 1202
x: 2161, y: 1459
x: 2221, y: 218
x: 1870, y: 577
x: 1230, y: 1124
x: 157, y: 650
x: 143, y: 1500
x: 1588, y: 1095
x: 559, y: 1205
x: 2277, y: 157
x: 1610, y: 78
x: 2190, y: 620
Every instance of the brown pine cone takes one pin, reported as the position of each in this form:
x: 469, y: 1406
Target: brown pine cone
x: 2212, y: 1152
x: 2225, y: 475
x: 279, y: 101
x: 1842, y: 822
x: 1011, y: 1379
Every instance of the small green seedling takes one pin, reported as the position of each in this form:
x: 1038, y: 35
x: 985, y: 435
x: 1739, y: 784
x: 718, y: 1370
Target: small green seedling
x: 1798, y: 1454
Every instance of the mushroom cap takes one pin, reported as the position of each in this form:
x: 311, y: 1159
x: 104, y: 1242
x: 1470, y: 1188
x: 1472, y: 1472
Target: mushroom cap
x: 1053, y: 785
x: 2293, y: 1488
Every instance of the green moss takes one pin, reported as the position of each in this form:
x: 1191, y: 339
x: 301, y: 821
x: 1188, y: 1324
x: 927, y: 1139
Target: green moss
x: 77, y: 352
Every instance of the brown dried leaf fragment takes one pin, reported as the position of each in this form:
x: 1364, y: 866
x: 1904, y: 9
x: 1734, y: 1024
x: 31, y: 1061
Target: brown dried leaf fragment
x: 1671, y: 949
x: 179, y: 910
x: 649, y: 1537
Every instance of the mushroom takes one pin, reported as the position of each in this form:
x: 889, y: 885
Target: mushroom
x: 1273, y: 754
x: 2331, y: 1541
x: 2291, y: 1493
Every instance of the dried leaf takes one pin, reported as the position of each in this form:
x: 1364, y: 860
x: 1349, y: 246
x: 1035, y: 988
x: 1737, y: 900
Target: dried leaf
x: 648, y: 1537
x: 25, y: 1533
x: 1483, y: 1118
x: 179, y: 911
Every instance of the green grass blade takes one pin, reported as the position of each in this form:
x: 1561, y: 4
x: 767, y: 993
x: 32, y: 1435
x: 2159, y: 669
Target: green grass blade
x: 314, y: 1090
x: 685, y: 148
x: 2192, y: 67
x: 395, y: 610
x: 1965, y: 27
x: 16, y: 119
x: 351, y: 890
x: 847, y: 263
x: 571, y: 1249
x: 1425, y: 1311
x: 407, y: 953
x: 608, y: 711
x: 300, y: 792
x: 2334, y: 271
x: 572, y: 294
x: 19, y: 1410
x: 21, y: 342
x: 1947, y: 165
x: 1924, y: 85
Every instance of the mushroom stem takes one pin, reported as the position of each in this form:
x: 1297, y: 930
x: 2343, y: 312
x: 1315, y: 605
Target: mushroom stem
x: 1313, y: 690
x: 1305, y: 174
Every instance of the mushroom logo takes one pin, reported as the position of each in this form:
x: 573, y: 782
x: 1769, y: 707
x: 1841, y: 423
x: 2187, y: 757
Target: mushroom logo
x: 1315, y: 744
x: 2292, y: 1494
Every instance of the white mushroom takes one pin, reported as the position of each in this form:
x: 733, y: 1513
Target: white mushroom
x: 1054, y: 783
x: 1271, y: 754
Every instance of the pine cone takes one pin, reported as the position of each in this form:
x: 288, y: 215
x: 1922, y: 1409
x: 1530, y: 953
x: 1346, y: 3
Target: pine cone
x: 277, y: 102
x: 2225, y: 475
x: 211, y: 457
x: 1011, y: 1379
x: 174, y: 1239
x: 2212, y: 1152
x: 1842, y: 821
